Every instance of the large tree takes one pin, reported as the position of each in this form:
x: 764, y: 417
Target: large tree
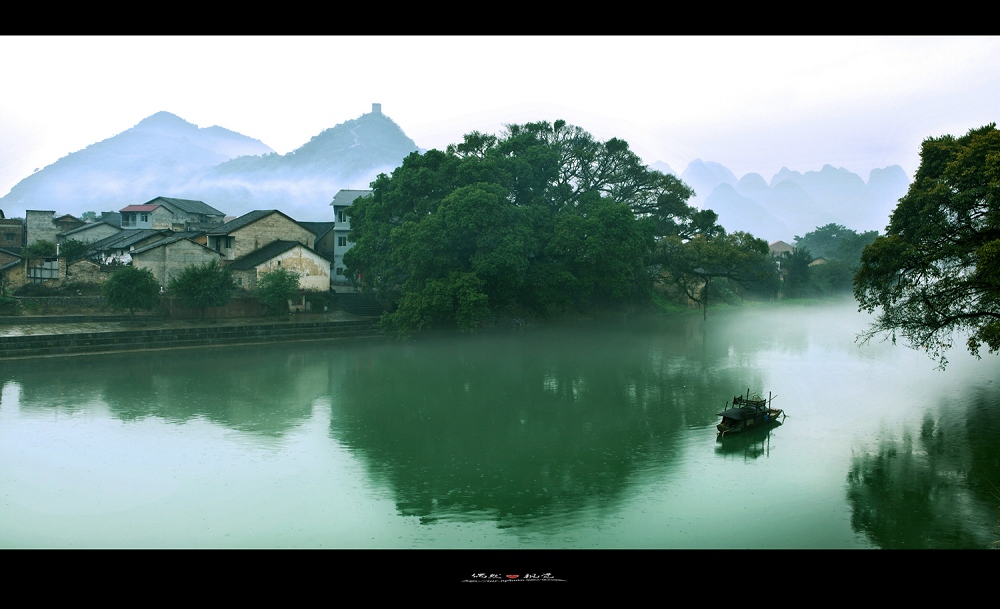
x: 539, y: 218
x: 132, y: 288
x: 937, y: 270
x: 735, y: 260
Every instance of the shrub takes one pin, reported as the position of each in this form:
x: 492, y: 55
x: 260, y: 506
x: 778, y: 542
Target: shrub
x: 276, y: 288
x: 132, y: 288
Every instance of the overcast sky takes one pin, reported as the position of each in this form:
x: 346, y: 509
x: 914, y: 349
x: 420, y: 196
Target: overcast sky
x: 754, y: 104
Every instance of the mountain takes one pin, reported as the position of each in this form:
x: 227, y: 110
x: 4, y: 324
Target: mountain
x: 153, y: 158
x: 164, y: 155
x: 302, y: 182
x: 796, y: 203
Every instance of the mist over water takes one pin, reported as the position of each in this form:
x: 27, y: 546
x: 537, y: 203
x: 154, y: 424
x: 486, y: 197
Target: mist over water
x: 599, y: 435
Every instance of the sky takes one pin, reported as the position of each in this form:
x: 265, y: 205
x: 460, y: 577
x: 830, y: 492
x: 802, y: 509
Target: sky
x: 753, y: 104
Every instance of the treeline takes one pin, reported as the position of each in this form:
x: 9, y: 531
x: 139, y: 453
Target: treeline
x: 536, y: 221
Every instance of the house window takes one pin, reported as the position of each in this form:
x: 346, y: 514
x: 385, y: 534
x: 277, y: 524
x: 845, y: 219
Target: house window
x: 342, y: 241
x: 9, y: 236
x: 340, y: 271
x: 340, y: 216
x: 144, y: 218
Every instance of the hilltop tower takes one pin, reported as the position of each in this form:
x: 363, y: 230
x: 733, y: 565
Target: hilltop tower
x: 376, y: 108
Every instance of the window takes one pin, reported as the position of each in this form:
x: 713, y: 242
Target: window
x: 342, y: 241
x: 340, y: 216
x: 340, y: 271
x: 144, y: 218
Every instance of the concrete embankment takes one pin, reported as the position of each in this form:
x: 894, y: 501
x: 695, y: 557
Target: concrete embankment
x: 64, y: 339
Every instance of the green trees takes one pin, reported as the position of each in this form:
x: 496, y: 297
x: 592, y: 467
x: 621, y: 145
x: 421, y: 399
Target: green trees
x: 276, y: 288
x: 132, y: 288
x: 738, y: 259
x: 71, y: 249
x: 538, y: 219
x: 937, y: 269
x: 202, y: 286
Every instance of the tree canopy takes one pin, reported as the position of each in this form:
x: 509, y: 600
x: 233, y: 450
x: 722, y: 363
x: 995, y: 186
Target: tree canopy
x: 937, y: 270
x: 132, y: 288
x: 203, y: 285
x: 540, y: 218
x: 275, y: 288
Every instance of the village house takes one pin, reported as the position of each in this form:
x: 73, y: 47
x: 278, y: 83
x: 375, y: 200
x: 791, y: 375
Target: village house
x: 11, y: 231
x: 45, y: 226
x: 342, y: 229
x: 312, y: 268
x: 172, y: 214
x: 89, y: 232
x: 168, y: 257
x: 254, y: 230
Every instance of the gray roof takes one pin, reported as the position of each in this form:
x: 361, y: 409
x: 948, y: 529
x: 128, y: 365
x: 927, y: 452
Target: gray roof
x: 125, y: 239
x: 168, y: 241
x: 262, y: 255
x: 88, y: 226
x: 188, y: 205
x: 346, y: 197
x: 245, y: 219
x: 318, y: 228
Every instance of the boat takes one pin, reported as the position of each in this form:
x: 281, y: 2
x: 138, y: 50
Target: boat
x: 748, y: 412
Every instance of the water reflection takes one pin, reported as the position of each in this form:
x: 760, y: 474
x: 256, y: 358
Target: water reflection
x: 522, y: 427
x: 934, y: 488
x: 749, y: 445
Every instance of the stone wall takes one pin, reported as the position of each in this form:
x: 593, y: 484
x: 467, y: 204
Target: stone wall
x: 274, y: 227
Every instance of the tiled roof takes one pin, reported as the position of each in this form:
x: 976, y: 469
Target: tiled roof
x: 138, y: 208
x: 86, y: 226
x: 318, y: 228
x: 167, y: 241
x: 245, y: 219
x: 124, y: 239
x: 269, y: 251
x: 346, y: 197
x: 190, y: 206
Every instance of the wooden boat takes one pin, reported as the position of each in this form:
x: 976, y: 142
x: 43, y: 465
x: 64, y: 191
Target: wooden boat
x: 748, y: 412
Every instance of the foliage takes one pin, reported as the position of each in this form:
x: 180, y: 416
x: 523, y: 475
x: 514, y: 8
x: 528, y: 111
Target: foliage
x: 276, y: 288
x: 203, y: 285
x: 132, y: 288
x: 40, y: 249
x: 73, y: 249
x: 736, y: 260
x: 89, y: 215
x: 9, y: 305
x: 937, y: 269
x: 539, y: 218
x: 796, y: 271
x: 836, y: 242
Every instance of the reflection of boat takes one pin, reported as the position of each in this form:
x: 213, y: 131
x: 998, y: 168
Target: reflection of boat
x: 748, y: 412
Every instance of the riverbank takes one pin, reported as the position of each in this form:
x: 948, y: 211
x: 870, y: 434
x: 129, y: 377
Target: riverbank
x: 64, y: 335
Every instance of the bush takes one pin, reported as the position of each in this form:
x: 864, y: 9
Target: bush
x: 132, y: 288
x: 203, y: 285
x: 276, y: 288
x: 9, y: 306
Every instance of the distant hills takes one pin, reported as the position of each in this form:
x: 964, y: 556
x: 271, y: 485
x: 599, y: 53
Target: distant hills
x: 164, y: 155
x: 795, y: 203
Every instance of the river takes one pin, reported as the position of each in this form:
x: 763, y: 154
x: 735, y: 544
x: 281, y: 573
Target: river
x: 598, y: 436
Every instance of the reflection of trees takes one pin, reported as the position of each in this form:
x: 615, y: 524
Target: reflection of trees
x: 517, y: 427
x: 935, y: 490
x: 265, y: 390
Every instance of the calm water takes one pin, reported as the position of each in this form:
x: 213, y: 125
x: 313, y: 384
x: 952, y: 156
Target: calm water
x: 558, y: 438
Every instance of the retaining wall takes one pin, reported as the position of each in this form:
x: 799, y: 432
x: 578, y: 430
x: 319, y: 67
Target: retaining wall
x: 168, y: 338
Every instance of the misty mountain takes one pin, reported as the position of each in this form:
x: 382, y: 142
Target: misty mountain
x: 303, y: 182
x: 153, y: 158
x: 796, y: 203
x: 165, y: 155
